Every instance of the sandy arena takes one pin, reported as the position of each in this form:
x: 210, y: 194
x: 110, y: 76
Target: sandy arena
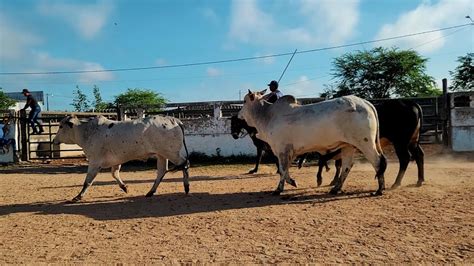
x: 229, y: 216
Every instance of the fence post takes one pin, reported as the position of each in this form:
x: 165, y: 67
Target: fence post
x: 120, y: 113
x: 446, y: 114
x: 23, y: 135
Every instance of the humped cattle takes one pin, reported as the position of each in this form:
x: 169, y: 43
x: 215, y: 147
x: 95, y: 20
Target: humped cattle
x: 400, y: 122
x: 347, y: 123
x: 108, y: 144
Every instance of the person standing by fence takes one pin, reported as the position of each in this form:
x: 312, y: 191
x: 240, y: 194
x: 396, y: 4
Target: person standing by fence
x: 34, y: 112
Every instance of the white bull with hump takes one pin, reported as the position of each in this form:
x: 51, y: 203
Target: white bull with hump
x: 347, y: 123
x: 108, y: 144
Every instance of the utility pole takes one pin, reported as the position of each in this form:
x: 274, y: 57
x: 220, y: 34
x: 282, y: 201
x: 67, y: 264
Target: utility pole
x: 47, y: 101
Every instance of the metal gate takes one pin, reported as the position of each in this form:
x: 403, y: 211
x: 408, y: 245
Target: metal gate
x: 40, y: 146
x: 434, y: 116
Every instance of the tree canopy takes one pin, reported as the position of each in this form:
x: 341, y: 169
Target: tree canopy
x: 381, y: 73
x: 5, y: 101
x: 80, y: 102
x: 463, y: 75
x: 140, y: 98
x: 98, y: 104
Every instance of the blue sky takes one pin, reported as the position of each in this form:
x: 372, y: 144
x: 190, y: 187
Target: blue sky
x: 42, y: 36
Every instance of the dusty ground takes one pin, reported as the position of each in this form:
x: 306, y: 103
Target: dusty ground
x: 230, y: 217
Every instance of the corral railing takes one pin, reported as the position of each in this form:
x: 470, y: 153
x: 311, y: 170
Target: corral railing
x: 433, y: 117
x: 434, y: 124
x: 41, y: 146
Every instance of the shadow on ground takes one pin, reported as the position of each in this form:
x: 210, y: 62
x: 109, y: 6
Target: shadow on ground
x: 166, y: 179
x: 172, y: 204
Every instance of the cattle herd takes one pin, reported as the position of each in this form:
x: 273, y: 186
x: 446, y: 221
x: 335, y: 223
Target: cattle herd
x: 333, y: 129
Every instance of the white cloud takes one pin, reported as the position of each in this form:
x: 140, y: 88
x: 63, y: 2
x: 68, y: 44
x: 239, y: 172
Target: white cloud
x: 324, y: 21
x: 265, y: 60
x: 302, y: 87
x: 14, y: 40
x: 248, y: 22
x: 334, y: 20
x: 86, y: 19
x: 43, y: 62
x: 209, y: 14
x: 18, y: 54
x: 160, y: 62
x: 426, y: 16
x: 213, y: 72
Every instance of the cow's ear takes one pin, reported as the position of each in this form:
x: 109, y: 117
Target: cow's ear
x: 252, y: 96
x: 68, y: 121
x: 263, y: 92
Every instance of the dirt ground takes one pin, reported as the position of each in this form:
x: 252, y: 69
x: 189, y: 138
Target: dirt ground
x: 229, y: 216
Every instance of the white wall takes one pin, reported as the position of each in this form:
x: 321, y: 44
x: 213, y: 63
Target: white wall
x: 462, y: 124
x: 208, y: 135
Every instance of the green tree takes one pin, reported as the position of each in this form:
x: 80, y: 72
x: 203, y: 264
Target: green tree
x: 463, y: 75
x: 5, y: 101
x: 140, y: 98
x: 80, y: 102
x: 99, y: 105
x: 381, y: 73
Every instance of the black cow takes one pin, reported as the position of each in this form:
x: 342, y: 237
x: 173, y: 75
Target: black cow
x: 236, y: 127
x: 400, y: 123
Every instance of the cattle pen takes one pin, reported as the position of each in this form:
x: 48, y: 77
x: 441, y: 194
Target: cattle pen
x: 229, y: 216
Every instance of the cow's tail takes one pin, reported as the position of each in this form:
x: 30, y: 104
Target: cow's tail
x: 383, y: 160
x: 420, y: 121
x: 184, y: 165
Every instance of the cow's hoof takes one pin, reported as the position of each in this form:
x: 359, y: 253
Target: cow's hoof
x: 149, y: 194
x: 124, y: 188
x: 377, y: 193
x: 395, y: 186
x: 186, y: 189
x: 252, y: 171
x: 319, y: 182
x: 292, y: 182
x: 419, y: 183
x: 74, y: 200
x: 276, y: 192
x: 335, y: 191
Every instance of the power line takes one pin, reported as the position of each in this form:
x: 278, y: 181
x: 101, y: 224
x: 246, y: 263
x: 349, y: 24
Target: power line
x: 234, y: 60
x: 441, y: 37
x: 430, y: 41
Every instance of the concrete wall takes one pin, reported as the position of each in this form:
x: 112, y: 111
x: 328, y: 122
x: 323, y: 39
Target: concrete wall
x: 462, y: 122
x: 212, y: 136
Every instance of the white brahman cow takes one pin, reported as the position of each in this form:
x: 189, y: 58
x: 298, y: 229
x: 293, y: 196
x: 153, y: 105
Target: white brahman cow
x: 108, y: 144
x: 347, y: 123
